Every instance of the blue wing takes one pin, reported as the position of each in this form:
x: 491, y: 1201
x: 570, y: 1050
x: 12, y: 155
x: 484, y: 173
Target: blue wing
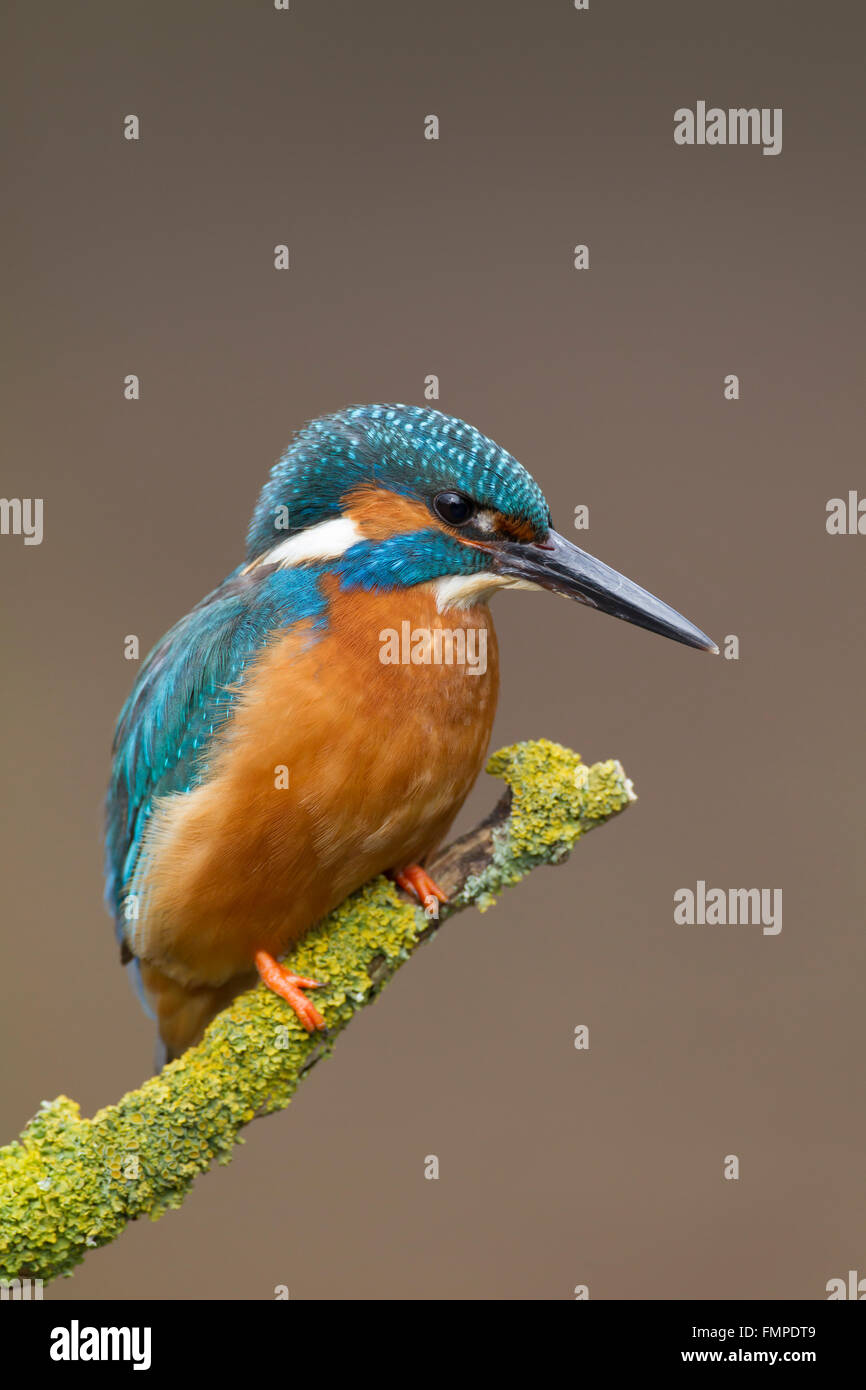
x: 184, y: 693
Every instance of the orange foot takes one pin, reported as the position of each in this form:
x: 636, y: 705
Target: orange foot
x: 289, y: 986
x: 414, y: 879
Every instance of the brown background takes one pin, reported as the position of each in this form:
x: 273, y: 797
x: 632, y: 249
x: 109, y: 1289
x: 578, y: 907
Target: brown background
x: 411, y: 257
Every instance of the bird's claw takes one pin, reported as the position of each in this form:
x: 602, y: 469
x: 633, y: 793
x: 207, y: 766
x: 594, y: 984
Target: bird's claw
x: 418, y: 882
x: 289, y: 986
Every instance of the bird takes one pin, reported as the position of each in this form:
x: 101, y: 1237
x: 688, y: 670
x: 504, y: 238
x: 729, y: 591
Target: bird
x: 272, y: 756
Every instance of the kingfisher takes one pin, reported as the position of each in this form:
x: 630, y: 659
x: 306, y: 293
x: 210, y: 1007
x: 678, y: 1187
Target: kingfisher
x: 278, y: 749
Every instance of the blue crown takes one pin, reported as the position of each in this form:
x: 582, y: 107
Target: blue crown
x: 405, y: 448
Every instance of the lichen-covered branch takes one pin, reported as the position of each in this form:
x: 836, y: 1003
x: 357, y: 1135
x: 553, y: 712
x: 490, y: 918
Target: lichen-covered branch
x: 71, y: 1184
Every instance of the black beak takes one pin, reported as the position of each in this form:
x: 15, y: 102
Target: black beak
x: 558, y: 565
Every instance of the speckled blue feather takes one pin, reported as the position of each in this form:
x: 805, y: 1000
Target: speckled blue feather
x: 406, y: 448
x: 185, y: 692
x: 398, y: 562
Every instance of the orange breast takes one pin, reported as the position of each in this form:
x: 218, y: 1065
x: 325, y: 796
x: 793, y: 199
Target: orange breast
x: 336, y: 766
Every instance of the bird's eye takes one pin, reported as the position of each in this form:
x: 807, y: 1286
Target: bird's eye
x: 453, y: 507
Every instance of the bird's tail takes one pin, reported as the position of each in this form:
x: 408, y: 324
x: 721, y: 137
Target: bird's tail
x: 182, y: 1012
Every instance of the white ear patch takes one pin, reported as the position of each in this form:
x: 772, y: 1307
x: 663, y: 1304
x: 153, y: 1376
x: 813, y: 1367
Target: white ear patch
x: 327, y: 541
x: 462, y: 590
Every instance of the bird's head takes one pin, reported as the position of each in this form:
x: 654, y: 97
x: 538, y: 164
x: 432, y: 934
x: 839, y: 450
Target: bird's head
x: 390, y: 496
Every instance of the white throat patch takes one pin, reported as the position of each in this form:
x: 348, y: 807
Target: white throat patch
x: 462, y: 590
